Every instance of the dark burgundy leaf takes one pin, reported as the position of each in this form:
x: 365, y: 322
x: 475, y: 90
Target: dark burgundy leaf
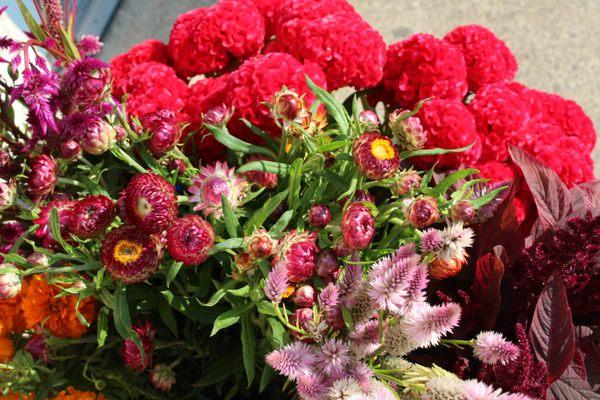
x: 489, y: 270
x: 552, y: 197
x: 586, y: 198
x: 571, y: 387
x: 552, y: 333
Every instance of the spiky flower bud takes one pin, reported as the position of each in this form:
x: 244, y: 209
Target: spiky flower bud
x: 405, y: 182
x: 218, y: 116
x: 422, y: 211
x: 304, y: 296
x: 8, y: 192
x: 358, y: 226
x: 150, y: 202
x: 492, y: 348
x: 260, y: 244
x: 463, y: 211
x: 263, y: 179
x: 190, y: 239
x: 375, y: 155
x: 297, y: 251
x: 214, y: 182
x: 407, y: 130
x: 327, y: 264
x: 131, y: 354
x: 91, y: 216
x: 10, y: 283
x: 162, y: 377
x: 43, y: 175
x: 319, y: 215
x: 368, y: 119
x: 99, y: 138
x: 163, y: 127
x: 288, y: 107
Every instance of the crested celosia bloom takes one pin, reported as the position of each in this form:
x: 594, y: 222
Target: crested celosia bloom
x: 263, y: 179
x: 43, y: 175
x: 41, y: 305
x: 358, y: 226
x: 423, y: 66
x: 129, y: 255
x: 150, y: 202
x: 407, y: 131
x: 91, y: 216
x: 425, y: 325
x: 333, y: 357
x: 277, y: 283
x: 260, y: 244
x: 422, y: 211
x: 375, y: 155
x: 163, y: 127
x: 319, y: 215
x: 10, y: 283
x: 162, y: 377
x: 492, y: 348
x: 213, y: 183
x: 132, y: 357
x: 190, y: 239
x: 293, y: 360
x: 297, y: 251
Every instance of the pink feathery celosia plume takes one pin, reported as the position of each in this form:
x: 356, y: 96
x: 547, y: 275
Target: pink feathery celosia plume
x: 492, y: 348
x: 350, y: 285
x: 333, y: 357
x: 425, y: 325
x: 293, y: 360
x: 277, y: 283
x: 365, y: 337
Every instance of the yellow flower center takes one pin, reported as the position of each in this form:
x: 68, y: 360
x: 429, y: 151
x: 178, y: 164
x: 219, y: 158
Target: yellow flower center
x: 127, y: 251
x: 288, y: 292
x: 382, y: 149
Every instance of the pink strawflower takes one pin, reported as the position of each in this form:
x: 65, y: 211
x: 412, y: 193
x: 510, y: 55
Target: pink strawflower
x: 365, y: 338
x: 311, y: 386
x: 277, y: 282
x: 492, y: 348
x: 333, y: 357
x: 350, y: 285
x: 212, y: 183
x: 293, y: 360
x: 431, y: 240
x: 425, y: 325
x: 132, y: 357
x: 297, y: 251
x: 65, y: 213
x: 358, y: 226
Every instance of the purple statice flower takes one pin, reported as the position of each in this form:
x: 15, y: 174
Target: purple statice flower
x: 311, y: 386
x: 425, y: 325
x: 293, y: 360
x: 365, y: 339
x: 492, y: 348
x: 329, y: 300
x: 388, y: 282
x: 431, y: 240
x: 333, y: 357
x: 89, y: 45
x: 350, y: 285
x: 277, y: 283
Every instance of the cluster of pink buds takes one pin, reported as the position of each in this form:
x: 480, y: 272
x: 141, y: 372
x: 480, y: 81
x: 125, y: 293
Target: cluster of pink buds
x: 407, y: 130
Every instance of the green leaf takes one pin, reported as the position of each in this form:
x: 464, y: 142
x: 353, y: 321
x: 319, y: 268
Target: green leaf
x: 451, y: 179
x: 32, y: 24
x: 486, y: 198
x: 173, y: 271
x: 265, y: 378
x: 314, y: 163
x: 331, y: 146
x: 235, y: 144
x: 70, y: 47
x: 294, y: 183
x: 260, y: 216
x: 122, y: 319
x: 229, y: 318
x: 266, y: 308
x: 55, y: 228
x: 334, y: 108
x: 265, y: 166
x: 192, y: 308
x: 281, y: 223
x: 220, y: 293
x: 260, y: 133
x: 244, y: 291
x: 427, y: 177
x: 231, y: 222
x: 233, y: 243
x: 166, y: 314
x: 248, y: 349
x: 432, y: 152
x: 347, y: 318
x: 277, y: 335
x: 227, y: 364
x: 102, y: 332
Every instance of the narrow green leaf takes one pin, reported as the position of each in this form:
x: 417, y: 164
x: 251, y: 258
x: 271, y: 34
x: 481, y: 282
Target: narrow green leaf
x: 122, y: 319
x: 55, y: 229
x: 260, y: 133
x: 68, y: 44
x: 244, y: 291
x: 281, y: 223
x: 226, y: 365
x: 265, y: 166
x: 231, y: 222
x: 248, y: 347
x: 233, y: 243
x: 265, y: 378
x: 294, y: 183
x: 432, y: 152
x: 451, y: 179
x: 173, y: 271
x: 166, y: 314
x: 192, y: 308
x: 332, y: 146
x: 32, y: 24
x: 486, y: 198
x: 260, y: 216
x: 235, y: 144
x: 427, y: 177
x: 220, y: 293
x: 229, y: 318
x: 314, y: 163
x: 347, y: 318
x: 334, y: 108
x: 277, y: 335
x: 266, y: 308
x: 102, y: 331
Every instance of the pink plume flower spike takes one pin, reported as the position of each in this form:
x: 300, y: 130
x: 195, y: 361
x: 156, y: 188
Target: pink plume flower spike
x: 293, y: 360
x: 415, y: 292
x: 425, y: 325
x: 431, y: 241
x: 362, y: 374
x: 333, y: 357
x: 329, y: 300
x: 365, y: 338
x: 311, y: 387
x: 277, y: 283
x: 492, y: 348
x: 388, y: 289
x: 350, y: 285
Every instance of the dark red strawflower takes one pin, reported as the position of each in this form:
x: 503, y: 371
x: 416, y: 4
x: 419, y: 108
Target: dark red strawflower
x: 263, y: 179
x: 65, y: 213
x: 132, y: 357
x: 163, y: 127
x: 190, y: 239
x: 37, y: 346
x: 91, y: 216
x: 297, y: 251
x: 522, y: 375
x: 42, y: 176
x: 319, y: 215
x: 358, y: 226
x: 375, y: 155
x: 11, y: 231
x: 130, y: 255
x: 150, y: 202
x: 70, y: 150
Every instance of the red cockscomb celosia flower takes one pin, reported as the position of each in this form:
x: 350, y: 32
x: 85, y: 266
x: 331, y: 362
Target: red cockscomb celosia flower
x: 284, y: 11
x: 121, y: 65
x: 129, y: 255
x: 150, y: 202
x: 488, y: 58
x: 423, y: 66
x: 163, y: 127
x: 132, y: 357
x: 43, y: 175
x: 190, y: 239
x: 449, y: 125
x: 91, y: 216
x: 358, y: 226
x: 297, y: 252
x: 375, y: 155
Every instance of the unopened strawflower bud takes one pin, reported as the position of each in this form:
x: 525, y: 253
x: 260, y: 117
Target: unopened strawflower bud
x: 37, y: 346
x: 319, y: 215
x: 301, y: 318
x: 8, y: 191
x: 463, y: 211
x: 178, y: 164
x: 260, y: 244
x: 288, y: 106
x: 358, y: 226
x: 244, y: 262
x: 99, y: 138
x: 375, y: 155
x: 131, y: 353
x: 422, y: 211
x: 407, y: 130
x: 163, y: 127
x: 190, y: 239
x: 297, y: 251
x: 162, y: 377
x: 10, y: 283
x: 69, y: 150
x: 38, y: 260
x: 405, y: 182
x: 368, y: 119
x: 327, y: 264
x: 218, y: 116
x: 43, y: 175
x: 304, y: 296
x: 91, y: 216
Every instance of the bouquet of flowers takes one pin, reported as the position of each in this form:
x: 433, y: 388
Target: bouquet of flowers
x: 206, y: 219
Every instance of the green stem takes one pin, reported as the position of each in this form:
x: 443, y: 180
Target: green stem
x: 286, y: 323
x: 458, y: 342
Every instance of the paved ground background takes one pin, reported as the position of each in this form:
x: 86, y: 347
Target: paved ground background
x: 555, y: 41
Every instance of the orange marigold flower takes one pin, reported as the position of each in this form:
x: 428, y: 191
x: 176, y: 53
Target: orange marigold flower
x: 17, y: 396
x: 40, y: 304
x: 11, y: 314
x: 6, y: 349
x: 74, y: 394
